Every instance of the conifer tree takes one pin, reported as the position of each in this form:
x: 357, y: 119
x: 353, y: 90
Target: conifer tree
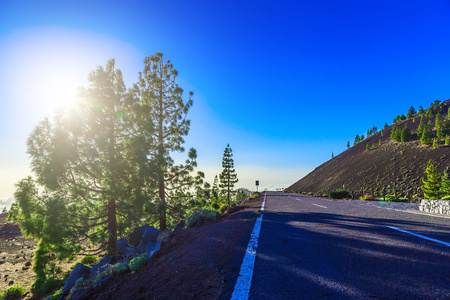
x: 379, y: 142
x: 367, y: 147
x: 356, y: 141
x: 228, y: 177
x: 421, y: 127
x: 448, y: 113
x: 348, y: 144
x: 159, y: 95
x: 425, y: 138
x: 445, y: 185
x: 435, y: 143
x: 447, y: 140
x: 411, y: 112
x: 432, y: 184
x: 332, y: 154
x: 421, y: 110
x: 405, y: 133
x: 395, y: 133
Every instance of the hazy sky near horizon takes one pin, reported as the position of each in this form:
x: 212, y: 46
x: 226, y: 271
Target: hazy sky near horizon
x: 285, y: 83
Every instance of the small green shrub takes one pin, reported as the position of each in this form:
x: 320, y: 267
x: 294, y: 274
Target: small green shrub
x: 391, y: 198
x: 310, y: 194
x: 54, y: 296
x: 200, y: 217
x: 340, y: 194
x: 89, y: 260
x: 12, y: 293
x: 446, y: 197
x: 139, y: 262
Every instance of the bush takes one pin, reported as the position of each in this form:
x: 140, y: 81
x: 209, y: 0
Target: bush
x: 200, y: 217
x: 391, y: 198
x: 106, y: 270
x: 340, y: 194
x: 89, y: 260
x: 446, y: 197
x: 12, y: 293
x: 138, y: 263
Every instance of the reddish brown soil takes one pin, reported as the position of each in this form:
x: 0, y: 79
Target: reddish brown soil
x: 389, y: 165
x: 200, y: 263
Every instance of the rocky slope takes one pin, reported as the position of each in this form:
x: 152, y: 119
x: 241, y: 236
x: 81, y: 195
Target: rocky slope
x: 390, y: 165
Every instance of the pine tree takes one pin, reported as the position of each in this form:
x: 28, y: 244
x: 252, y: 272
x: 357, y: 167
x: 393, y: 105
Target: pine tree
x: 332, y: 154
x: 435, y: 143
x: 447, y: 140
x: 395, y: 133
x: 425, y: 138
x: 432, y: 184
x: 445, y: 185
x: 379, y: 142
x: 228, y: 177
x: 421, y: 110
x: 405, y: 133
x: 162, y: 99
x: 438, y: 120
x: 356, y: 141
x: 348, y: 144
x: 421, y: 127
x: 448, y: 113
x: 367, y: 147
x: 411, y: 112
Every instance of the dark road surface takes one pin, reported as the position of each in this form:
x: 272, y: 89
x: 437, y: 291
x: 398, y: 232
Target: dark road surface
x: 312, y: 248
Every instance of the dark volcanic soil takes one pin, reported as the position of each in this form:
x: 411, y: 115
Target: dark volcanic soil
x: 387, y: 165
x: 195, y: 263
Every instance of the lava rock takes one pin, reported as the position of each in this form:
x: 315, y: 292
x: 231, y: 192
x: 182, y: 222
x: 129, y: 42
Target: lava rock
x: 150, y: 235
x: 79, y: 271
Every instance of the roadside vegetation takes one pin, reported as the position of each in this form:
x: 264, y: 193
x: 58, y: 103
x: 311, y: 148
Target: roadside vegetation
x: 106, y: 167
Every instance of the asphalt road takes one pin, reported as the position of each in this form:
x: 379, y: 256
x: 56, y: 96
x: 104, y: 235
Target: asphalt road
x: 312, y: 248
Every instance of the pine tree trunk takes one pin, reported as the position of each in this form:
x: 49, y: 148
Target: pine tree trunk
x: 112, y: 226
x: 161, y: 184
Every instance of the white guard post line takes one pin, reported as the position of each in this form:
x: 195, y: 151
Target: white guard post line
x: 244, y: 281
x: 418, y: 235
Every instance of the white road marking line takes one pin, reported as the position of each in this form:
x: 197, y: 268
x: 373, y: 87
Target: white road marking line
x: 418, y: 235
x: 298, y: 199
x: 244, y: 281
x: 319, y: 205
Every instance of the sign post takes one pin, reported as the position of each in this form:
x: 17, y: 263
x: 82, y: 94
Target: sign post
x: 257, y: 184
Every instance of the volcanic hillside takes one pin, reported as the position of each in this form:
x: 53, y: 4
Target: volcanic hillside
x: 390, y: 165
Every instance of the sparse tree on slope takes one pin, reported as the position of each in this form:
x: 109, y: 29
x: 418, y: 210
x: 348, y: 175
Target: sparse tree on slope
x: 425, y: 138
x: 411, y: 112
x: 348, y: 144
x: 228, y: 177
x: 432, y: 184
x: 405, y: 133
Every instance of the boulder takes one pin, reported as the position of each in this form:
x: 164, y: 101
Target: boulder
x: 150, y: 235
x: 105, y: 280
x: 121, y: 245
x: 151, y: 248
x: 136, y: 235
x: 79, y: 271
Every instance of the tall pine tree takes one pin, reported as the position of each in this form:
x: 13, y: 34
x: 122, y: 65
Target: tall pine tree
x: 162, y: 100
x: 228, y: 177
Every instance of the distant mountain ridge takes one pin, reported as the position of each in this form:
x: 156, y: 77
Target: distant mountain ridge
x: 389, y: 166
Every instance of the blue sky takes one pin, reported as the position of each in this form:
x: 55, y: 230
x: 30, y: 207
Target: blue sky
x: 285, y: 83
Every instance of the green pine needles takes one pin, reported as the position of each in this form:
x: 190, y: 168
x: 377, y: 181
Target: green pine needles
x: 228, y: 177
x: 432, y: 184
